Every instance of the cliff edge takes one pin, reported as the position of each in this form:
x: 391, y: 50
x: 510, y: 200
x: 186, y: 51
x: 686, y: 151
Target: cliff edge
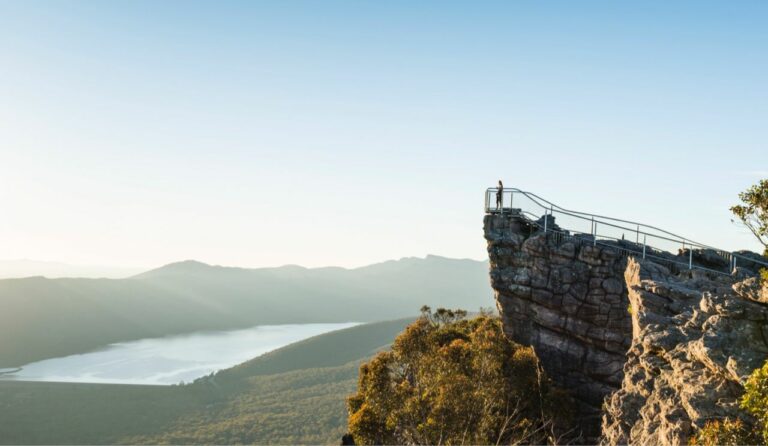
x: 650, y: 354
x: 567, y: 299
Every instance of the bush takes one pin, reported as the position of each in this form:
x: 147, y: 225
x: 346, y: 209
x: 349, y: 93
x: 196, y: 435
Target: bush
x: 454, y: 380
x: 755, y: 399
x: 753, y: 428
x: 725, y: 433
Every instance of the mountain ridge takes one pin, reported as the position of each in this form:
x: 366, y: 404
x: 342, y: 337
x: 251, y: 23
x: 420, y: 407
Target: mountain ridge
x: 192, y: 265
x: 58, y: 317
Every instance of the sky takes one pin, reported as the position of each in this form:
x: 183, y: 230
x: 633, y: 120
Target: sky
x: 261, y: 133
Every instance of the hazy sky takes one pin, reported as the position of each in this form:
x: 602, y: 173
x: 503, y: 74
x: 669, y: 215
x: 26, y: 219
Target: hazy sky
x: 318, y: 133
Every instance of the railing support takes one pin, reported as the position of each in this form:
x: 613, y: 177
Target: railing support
x: 656, y: 234
x: 594, y: 234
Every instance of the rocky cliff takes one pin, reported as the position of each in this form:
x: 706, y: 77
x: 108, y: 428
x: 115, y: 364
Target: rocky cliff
x: 696, y: 338
x: 567, y: 299
x: 652, y: 352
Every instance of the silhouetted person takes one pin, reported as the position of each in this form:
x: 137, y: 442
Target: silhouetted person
x: 500, y: 196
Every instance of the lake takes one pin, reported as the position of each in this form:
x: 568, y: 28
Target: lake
x: 169, y: 360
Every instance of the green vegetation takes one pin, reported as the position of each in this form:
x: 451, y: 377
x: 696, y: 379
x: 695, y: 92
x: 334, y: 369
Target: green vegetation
x: 328, y: 350
x: 452, y: 380
x: 293, y: 395
x: 64, y: 413
x: 753, y: 211
x: 299, y: 407
x: 43, y: 318
x: 725, y: 433
x: 751, y: 430
x: 755, y: 399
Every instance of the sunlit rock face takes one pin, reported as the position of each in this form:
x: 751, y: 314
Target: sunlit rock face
x: 696, y: 338
x: 567, y: 299
x: 650, y: 354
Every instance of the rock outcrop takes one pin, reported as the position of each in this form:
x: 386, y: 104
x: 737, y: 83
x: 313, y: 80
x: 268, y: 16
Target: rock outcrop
x: 696, y: 338
x: 650, y: 354
x: 566, y: 298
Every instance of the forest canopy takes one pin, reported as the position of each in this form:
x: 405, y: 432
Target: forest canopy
x: 449, y: 379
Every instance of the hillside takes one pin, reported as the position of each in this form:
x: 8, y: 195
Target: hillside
x: 303, y: 403
x: 44, y: 318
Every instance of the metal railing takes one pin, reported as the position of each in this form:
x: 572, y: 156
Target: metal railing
x: 649, y: 241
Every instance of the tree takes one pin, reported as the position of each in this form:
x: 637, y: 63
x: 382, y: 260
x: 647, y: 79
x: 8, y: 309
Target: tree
x: 453, y: 380
x: 753, y: 211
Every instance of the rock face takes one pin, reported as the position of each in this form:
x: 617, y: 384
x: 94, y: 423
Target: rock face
x: 650, y: 354
x: 695, y: 341
x: 567, y: 299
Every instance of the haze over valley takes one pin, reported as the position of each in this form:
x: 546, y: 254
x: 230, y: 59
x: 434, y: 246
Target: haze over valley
x: 368, y: 222
x: 47, y: 318
x: 183, y: 321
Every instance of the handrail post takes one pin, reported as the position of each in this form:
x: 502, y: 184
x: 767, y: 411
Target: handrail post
x: 594, y: 235
x: 643, y: 246
x: 690, y: 257
x: 637, y: 239
x: 545, y: 222
x: 511, y: 199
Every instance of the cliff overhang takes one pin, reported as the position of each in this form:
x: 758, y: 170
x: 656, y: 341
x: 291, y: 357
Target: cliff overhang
x: 602, y: 320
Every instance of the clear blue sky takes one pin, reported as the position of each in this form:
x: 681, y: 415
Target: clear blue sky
x: 344, y: 133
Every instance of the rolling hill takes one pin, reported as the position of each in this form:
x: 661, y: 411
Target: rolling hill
x: 292, y: 395
x: 44, y: 318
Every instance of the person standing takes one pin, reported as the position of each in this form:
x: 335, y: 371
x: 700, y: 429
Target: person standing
x: 500, y: 196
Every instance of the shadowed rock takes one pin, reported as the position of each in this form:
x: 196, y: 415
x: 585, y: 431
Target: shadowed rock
x: 567, y: 299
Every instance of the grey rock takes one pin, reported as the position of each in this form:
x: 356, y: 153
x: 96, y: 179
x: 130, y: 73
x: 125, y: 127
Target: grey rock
x: 562, y: 309
x: 650, y: 354
x: 691, y: 353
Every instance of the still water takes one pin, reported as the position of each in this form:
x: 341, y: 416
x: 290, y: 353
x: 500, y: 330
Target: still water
x: 169, y: 360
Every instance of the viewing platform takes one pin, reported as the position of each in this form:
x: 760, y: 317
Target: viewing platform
x: 630, y: 238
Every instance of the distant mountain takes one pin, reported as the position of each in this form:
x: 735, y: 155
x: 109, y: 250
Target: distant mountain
x: 293, y: 395
x: 30, y: 268
x: 43, y: 318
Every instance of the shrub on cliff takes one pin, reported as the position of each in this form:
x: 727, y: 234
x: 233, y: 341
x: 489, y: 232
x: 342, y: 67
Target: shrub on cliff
x: 725, y: 433
x: 755, y: 399
x: 451, y: 380
x: 735, y: 432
